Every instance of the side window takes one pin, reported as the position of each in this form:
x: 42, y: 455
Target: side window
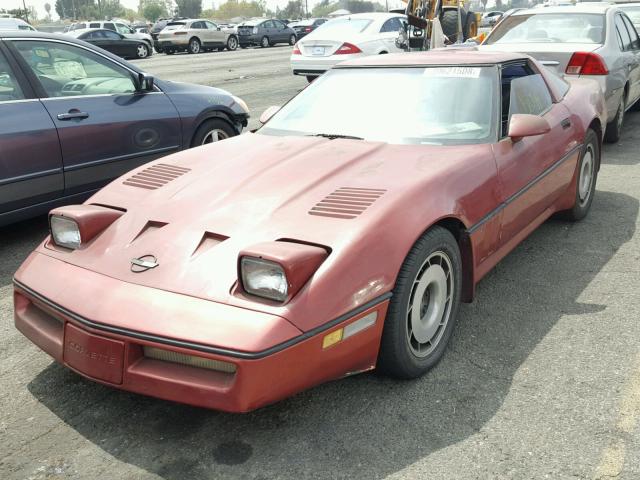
x: 211, y: 25
x: 110, y: 35
x: 624, y: 34
x: 198, y: 25
x: 123, y: 29
x: 9, y: 88
x: 268, y: 24
x: 109, y: 26
x: 279, y: 25
x: 68, y: 70
x: 94, y: 25
x: 389, y: 26
x: 635, y: 42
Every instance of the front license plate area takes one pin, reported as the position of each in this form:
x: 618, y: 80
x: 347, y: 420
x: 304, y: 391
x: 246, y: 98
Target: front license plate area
x: 98, y: 357
x: 317, y: 51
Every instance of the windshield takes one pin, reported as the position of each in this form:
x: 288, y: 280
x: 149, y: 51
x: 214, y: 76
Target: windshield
x: 345, y: 26
x: 433, y: 105
x: 549, y: 28
x: 633, y: 13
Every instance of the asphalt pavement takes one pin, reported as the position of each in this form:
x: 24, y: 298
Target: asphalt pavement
x: 541, y: 380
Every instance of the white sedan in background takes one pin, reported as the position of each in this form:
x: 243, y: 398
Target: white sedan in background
x: 344, y: 38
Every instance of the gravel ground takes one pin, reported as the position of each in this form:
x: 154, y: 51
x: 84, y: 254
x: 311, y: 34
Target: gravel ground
x: 542, y: 378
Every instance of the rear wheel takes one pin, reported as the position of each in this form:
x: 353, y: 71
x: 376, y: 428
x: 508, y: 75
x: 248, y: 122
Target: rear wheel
x: 264, y: 43
x: 232, y: 43
x: 292, y: 40
x: 211, y: 131
x: 169, y: 51
x: 449, y: 22
x: 586, y: 177
x: 470, y: 26
x: 194, y: 46
x: 614, y: 128
x: 422, y: 311
x: 142, y: 50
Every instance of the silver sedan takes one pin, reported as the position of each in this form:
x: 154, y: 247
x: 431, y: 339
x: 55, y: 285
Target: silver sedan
x: 588, y: 40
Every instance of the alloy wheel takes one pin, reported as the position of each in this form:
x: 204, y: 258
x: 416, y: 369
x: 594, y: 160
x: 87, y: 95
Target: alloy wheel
x: 214, y: 135
x: 585, y: 181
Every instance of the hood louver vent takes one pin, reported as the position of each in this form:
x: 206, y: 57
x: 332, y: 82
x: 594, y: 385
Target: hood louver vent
x: 155, y: 176
x: 346, y: 202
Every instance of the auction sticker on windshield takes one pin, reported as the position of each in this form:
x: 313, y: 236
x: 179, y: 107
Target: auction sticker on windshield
x: 456, y: 72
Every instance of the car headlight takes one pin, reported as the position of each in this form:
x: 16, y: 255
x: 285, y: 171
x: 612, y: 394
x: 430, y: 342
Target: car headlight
x: 255, y: 30
x: 241, y: 102
x: 65, y: 232
x: 264, y: 278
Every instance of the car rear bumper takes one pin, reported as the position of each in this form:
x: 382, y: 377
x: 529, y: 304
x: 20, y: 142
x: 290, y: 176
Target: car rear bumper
x: 249, y: 40
x: 174, y: 42
x: 235, y: 380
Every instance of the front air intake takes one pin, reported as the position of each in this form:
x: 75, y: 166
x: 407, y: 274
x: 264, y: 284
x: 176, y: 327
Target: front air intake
x: 155, y: 176
x: 346, y: 202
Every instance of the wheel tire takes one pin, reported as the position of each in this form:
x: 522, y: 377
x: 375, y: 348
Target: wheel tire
x: 194, y: 46
x: 398, y: 357
x: 214, y: 125
x: 142, y: 51
x: 614, y: 127
x: 264, y: 43
x: 449, y: 22
x: 292, y: 40
x: 586, y: 177
x: 232, y: 43
x: 169, y: 52
x: 243, y: 46
x: 470, y: 29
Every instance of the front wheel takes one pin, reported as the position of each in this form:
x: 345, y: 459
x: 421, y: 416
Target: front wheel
x: 212, y: 131
x: 423, y: 309
x: 264, y: 43
x: 614, y: 128
x: 292, y: 40
x: 142, y: 51
x: 232, y: 43
x: 586, y: 177
x: 194, y: 46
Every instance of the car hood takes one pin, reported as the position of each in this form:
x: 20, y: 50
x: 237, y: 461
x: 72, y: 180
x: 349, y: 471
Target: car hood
x: 231, y: 195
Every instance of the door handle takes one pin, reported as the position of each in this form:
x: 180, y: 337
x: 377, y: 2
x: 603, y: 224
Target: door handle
x: 73, y: 114
x: 566, y: 123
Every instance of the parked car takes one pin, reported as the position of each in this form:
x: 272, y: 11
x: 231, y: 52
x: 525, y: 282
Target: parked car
x: 195, y: 36
x: 345, y: 38
x: 122, y: 29
x: 210, y: 287
x: 589, y: 40
x: 115, y: 43
x: 157, y: 28
x: 265, y: 33
x: 633, y: 11
x: 489, y: 19
x: 10, y: 23
x: 305, y: 27
x: 81, y: 116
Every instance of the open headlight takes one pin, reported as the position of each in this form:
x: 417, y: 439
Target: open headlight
x: 65, y: 232
x: 264, y: 278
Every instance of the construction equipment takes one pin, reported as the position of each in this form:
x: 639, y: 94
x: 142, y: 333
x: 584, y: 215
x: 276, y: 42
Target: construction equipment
x: 430, y: 19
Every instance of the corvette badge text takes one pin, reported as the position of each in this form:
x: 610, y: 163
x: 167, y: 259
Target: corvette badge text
x: 100, y: 357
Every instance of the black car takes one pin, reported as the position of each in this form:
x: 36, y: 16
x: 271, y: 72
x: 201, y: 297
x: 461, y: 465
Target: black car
x: 116, y: 43
x: 305, y: 27
x: 265, y: 33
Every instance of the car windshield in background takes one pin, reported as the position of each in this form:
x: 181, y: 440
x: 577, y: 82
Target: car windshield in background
x: 433, y: 105
x: 342, y: 26
x: 550, y: 28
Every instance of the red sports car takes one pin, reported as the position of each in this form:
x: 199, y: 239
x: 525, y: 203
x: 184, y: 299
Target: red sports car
x: 340, y: 237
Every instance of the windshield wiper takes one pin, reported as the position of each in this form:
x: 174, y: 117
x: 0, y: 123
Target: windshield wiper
x: 333, y: 136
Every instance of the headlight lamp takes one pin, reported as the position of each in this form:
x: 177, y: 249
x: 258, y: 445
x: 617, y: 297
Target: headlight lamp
x: 264, y: 278
x: 65, y: 232
x: 241, y: 102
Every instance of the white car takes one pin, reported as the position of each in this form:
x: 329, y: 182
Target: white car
x: 10, y: 23
x: 345, y: 38
x: 119, y: 27
x: 489, y: 19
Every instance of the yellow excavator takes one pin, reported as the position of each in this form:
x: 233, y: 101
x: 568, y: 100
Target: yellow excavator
x: 435, y: 22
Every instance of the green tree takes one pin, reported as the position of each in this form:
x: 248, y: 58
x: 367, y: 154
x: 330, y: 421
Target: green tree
x: 189, y: 8
x: 47, y: 8
x: 154, y: 9
x: 293, y: 10
x: 234, y: 8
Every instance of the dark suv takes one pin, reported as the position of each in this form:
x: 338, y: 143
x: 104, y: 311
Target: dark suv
x: 265, y: 33
x: 157, y: 28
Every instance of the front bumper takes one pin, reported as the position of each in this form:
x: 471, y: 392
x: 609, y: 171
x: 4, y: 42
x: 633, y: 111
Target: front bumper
x: 105, y: 340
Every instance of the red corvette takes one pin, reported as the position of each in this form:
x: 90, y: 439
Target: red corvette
x: 340, y: 237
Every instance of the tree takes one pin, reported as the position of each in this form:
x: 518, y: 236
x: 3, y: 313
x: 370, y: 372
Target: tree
x: 293, y: 10
x: 235, y: 8
x: 189, y: 8
x: 47, y: 8
x: 111, y: 8
x: 153, y: 9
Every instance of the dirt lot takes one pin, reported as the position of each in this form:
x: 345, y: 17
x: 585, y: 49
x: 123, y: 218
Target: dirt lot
x: 542, y: 378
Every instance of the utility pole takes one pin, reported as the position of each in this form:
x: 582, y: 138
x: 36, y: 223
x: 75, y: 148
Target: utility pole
x: 306, y: 7
x: 26, y: 12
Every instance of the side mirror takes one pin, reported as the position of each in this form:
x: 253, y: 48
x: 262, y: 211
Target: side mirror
x: 268, y: 113
x: 145, y: 82
x: 523, y: 125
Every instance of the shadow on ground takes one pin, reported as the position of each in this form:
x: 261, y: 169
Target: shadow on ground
x: 17, y: 241
x: 366, y: 426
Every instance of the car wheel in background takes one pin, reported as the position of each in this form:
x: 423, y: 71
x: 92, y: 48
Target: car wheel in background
x: 169, y: 52
x: 449, y: 22
x: 232, y: 43
x: 422, y: 311
x: 264, y: 43
x: 194, y: 45
x: 614, y: 127
x: 586, y: 177
x: 292, y: 40
x: 142, y: 51
x: 211, y: 131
